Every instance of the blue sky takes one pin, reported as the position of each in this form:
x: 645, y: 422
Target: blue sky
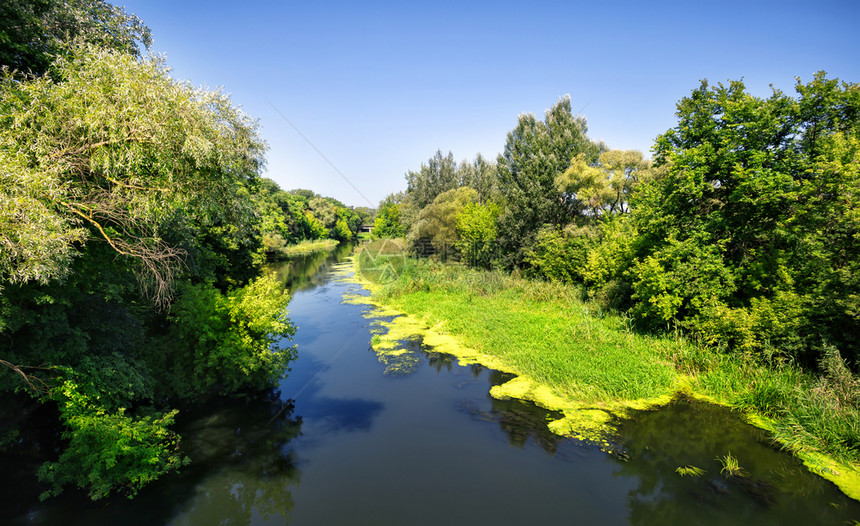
x: 378, y: 87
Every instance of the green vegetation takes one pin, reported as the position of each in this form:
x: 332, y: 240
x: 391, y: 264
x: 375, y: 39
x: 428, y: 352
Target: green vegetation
x: 730, y: 466
x: 690, y: 471
x: 531, y: 325
x: 133, y: 228
x: 291, y: 220
x: 740, y: 237
x: 594, y: 364
x: 310, y: 247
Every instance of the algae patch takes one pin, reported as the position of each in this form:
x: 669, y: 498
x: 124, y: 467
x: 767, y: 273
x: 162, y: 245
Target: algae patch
x: 399, y: 340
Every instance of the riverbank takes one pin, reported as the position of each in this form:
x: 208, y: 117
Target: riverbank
x: 593, y: 367
x: 308, y: 247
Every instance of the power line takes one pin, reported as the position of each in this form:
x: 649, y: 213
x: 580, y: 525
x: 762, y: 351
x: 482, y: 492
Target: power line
x: 321, y: 154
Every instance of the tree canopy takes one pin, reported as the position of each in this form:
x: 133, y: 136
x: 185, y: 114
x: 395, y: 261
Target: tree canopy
x: 130, y: 239
x: 34, y: 33
x: 750, y: 235
x: 112, y: 148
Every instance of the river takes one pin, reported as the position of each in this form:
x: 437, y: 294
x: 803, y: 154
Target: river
x: 342, y: 443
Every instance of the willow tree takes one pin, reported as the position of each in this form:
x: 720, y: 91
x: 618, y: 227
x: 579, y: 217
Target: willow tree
x: 110, y: 169
x: 110, y: 148
x: 605, y: 187
x: 34, y: 32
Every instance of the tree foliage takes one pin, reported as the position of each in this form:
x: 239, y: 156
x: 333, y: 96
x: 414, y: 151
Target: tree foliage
x: 33, y: 33
x: 606, y: 186
x: 114, y: 451
x: 116, y: 176
x: 535, y: 154
x: 437, y: 222
x: 388, y: 221
x: 477, y: 233
x: 113, y: 150
x: 753, y: 227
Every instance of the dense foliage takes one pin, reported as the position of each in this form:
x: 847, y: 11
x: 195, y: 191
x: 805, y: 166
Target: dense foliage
x: 742, y: 237
x: 34, y: 32
x: 133, y: 226
x: 750, y: 236
x: 290, y: 217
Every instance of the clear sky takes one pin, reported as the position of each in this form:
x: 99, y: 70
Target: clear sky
x: 378, y: 87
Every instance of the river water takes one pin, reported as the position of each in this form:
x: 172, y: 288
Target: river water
x: 342, y: 443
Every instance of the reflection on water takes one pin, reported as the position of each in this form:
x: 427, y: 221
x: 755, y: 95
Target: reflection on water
x: 310, y: 270
x: 774, y: 487
x: 242, y: 467
x: 242, y: 464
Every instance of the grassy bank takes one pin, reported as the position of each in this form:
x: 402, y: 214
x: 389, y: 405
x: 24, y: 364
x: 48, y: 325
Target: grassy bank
x: 308, y: 247
x: 592, y: 366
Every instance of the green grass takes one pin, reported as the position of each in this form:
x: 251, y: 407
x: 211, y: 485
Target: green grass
x: 546, y: 332
x: 690, y: 471
x: 309, y: 247
x: 730, y: 468
x: 541, y: 329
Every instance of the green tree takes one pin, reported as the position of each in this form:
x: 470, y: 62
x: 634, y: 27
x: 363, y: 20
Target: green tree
x: 114, y: 175
x: 558, y: 255
x: 437, y: 222
x: 481, y: 175
x: 115, y: 149
x: 388, y: 222
x: 34, y: 32
x: 437, y: 176
x: 605, y: 187
x: 535, y: 154
x: 226, y: 342
x: 478, y: 234
x: 752, y: 228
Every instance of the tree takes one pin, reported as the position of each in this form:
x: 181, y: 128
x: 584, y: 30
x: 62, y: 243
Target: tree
x: 114, y: 150
x: 605, y: 187
x: 437, y: 222
x: 477, y: 233
x: 388, y: 222
x: 437, y: 176
x: 108, y: 166
x: 749, y: 236
x: 34, y: 32
x: 481, y: 175
x: 535, y: 154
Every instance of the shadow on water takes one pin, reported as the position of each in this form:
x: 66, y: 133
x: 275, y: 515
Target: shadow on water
x: 241, y: 462
x: 772, y: 486
x: 522, y: 422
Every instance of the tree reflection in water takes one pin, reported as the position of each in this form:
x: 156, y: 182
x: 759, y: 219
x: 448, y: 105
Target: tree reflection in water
x: 775, y: 487
x: 310, y: 270
x: 241, y: 466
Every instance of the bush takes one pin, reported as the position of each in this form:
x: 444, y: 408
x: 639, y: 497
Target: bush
x: 558, y: 256
x: 108, y: 450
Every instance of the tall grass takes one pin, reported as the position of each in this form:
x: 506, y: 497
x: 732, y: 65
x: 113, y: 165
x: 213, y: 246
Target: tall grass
x: 543, y: 330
